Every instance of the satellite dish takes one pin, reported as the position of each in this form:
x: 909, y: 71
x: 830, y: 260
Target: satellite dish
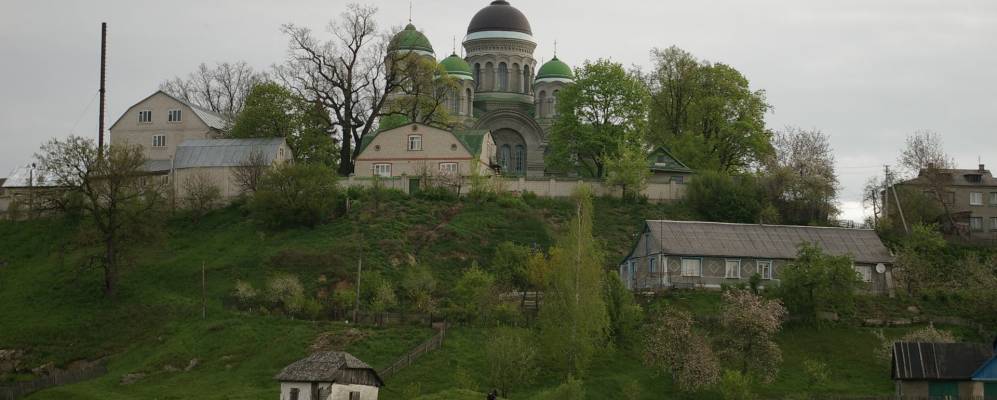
x: 881, y: 268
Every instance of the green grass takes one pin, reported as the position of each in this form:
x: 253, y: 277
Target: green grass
x: 52, y: 305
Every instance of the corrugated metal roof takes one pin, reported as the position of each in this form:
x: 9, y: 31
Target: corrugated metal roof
x: 937, y: 361
x: 714, y: 239
x: 330, y: 366
x: 224, y: 152
x: 157, y: 165
x: 20, y: 177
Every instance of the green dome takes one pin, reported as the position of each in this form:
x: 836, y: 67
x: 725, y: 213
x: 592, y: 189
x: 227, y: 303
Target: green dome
x: 454, y: 65
x: 412, y: 40
x: 555, y: 69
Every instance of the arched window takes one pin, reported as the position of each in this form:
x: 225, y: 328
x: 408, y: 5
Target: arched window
x: 477, y: 75
x: 520, y: 159
x: 515, y: 79
x: 470, y: 103
x: 542, y: 104
x: 489, y: 79
x: 503, y: 77
x: 526, y: 79
x: 553, y: 103
x: 504, y: 158
x: 455, y: 102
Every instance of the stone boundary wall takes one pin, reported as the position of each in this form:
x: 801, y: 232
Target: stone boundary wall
x: 543, y: 187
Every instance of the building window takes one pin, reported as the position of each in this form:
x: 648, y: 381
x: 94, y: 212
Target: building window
x: 993, y: 224
x: 448, y: 168
x: 733, y: 269
x: 976, y: 199
x: 145, y: 117
x: 295, y: 393
x: 477, y: 76
x: 382, y: 170
x: 692, y: 267
x: 159, y: 141
x: 678, y: 179
x: 765, y: 269
x: 354, y: 395
x: 503, y: 78
x: 415, y: 143
x: 174, y: 116
x: 504, y: 157
x: 864, y: 272
x: 651, y: 265
x: 976, y: 224
x: 993, y: 199
x: 632, y: 272
x: 520, y: 159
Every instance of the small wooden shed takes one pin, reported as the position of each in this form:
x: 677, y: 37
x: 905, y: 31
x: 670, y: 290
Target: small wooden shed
x: 939, y: 370
x: 329, y: 375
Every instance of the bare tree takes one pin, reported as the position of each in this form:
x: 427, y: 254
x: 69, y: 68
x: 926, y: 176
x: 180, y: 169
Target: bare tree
x: 801, y: 176
x: 200, y: 194
x: 222, y: 89
x: 249, y: 173
x: 349, y: 75
x: 119, y: 199
x: 924, y: 150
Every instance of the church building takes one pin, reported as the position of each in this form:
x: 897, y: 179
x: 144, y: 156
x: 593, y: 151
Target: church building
x: 501, y: 88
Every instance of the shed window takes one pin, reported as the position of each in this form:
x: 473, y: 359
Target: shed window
x: 174, y: 116
x: 864, y: 273
x: 976, y: 199
x: 651, y: 267
x: 295, y: 393
x: 679, y: 179
x: 692, y: 267
x: 415, y: 142
x: 354, y: 395
x: 732, y: 269
x: 382, y: 170
x: 765, y: 269
x: 145, y: 117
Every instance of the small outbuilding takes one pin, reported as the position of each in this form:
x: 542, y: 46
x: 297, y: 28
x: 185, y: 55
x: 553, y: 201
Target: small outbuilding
x: 987, y: 376
x: 329, y: 375
x: 940, y: 370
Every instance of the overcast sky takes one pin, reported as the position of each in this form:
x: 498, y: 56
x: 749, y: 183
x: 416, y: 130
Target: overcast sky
x: 867, y: 72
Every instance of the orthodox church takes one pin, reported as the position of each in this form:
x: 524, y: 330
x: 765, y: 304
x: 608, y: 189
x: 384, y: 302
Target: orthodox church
x: 502, y: 90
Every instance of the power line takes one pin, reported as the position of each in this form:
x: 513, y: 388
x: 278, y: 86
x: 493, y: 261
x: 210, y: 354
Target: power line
x: 72, y: 131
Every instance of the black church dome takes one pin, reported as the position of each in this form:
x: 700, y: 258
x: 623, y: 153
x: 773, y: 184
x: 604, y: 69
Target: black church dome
x: 500, y: 16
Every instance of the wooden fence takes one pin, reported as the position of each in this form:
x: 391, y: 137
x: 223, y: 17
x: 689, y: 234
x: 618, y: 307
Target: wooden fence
x: 22, y: 389
x: 432, y: 344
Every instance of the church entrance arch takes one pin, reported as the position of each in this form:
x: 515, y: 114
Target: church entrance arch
x: 518, y: 142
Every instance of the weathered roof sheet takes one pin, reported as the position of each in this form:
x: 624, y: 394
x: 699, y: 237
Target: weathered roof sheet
x: 157, y: 165
x: 224, y: 152
x: 937, y: 361
x: 714, y: 239
x: 21, y: 176
x: 330, y: 366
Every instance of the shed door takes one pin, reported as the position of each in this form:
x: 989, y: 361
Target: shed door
x: 990, y: 391
x: 943, y: 390
x: 413, y: 186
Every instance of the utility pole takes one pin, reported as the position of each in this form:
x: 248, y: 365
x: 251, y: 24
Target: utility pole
x: 896, y: 199
x: 356, y: 302
x: 103, y: 92
x: 204, y: 297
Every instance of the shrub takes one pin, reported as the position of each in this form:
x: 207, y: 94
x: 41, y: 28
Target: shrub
x: 511, y: 359
x: 736, y: 386
x: 200, y: 195
x: 817, y: 373
x: 573, y: 389
x: 244, y: 293
x: 286, y: 291
x: 928, y: 334
x: 295, y: 195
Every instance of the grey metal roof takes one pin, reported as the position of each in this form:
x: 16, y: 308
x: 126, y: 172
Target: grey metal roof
x: 224, y: 152
x: 157, y: 165
x: 960, y: 177
x: 937, y: 361
x: 21, y: 176
x: 714, y: 239
x: 330, y: 366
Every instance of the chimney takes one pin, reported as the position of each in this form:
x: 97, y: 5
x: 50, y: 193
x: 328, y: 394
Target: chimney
x: 983, y: 167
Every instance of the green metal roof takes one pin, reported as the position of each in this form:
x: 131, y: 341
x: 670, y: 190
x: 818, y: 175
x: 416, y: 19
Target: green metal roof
x: 555, y: 69
x: 662, y: 160
x: 472, y: 139
x: 454, y: 65
x: 410, y: 39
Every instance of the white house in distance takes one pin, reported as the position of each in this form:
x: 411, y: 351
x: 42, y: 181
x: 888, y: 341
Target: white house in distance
x: 415, y: 150
x: 329, y: 375
x: 181, y: 140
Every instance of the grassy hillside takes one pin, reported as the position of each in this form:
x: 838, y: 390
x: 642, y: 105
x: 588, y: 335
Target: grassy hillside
x: 53, y: 309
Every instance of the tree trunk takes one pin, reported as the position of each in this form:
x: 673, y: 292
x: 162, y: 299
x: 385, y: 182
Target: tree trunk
x: 346, y: 155
x: 110, y: 268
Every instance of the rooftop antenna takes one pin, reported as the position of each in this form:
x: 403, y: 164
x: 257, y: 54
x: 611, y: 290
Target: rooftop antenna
x: 410, y: 11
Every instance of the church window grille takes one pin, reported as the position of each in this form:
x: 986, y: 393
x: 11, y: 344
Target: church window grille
x: 503, y: 77
x: 477, y: 76
x: 504, y: 155
x: 520, y: 159
x: 470, y: 103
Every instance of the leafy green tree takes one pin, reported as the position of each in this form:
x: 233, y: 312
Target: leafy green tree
x: 418, y: 286
x: 474, y: 296
x: 706, y: 113
x: 271, y: 110
x: 921, y: 259
x: 800, y: 178
x: 625, y: 315
x: 816, y: 282
x: 573, y: 321
x: 629, y: 170
x: 750, y: 324
x: 606, y: 107
x: 384, y: 298
x: 512, y: 359
x: 120, y: 203
x: 295, y: 195
x: 724, y: 198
